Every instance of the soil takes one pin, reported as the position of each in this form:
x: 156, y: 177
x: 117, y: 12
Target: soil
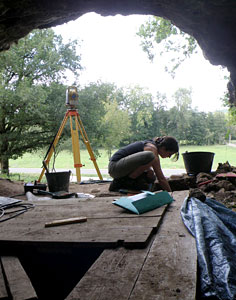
x: 219, y: 185
x: 9, y: 188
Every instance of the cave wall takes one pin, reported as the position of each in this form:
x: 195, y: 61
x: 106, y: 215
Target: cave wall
x: 211, y: 22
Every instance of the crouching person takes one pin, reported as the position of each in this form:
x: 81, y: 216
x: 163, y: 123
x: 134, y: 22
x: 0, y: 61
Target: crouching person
x: 137, y: 165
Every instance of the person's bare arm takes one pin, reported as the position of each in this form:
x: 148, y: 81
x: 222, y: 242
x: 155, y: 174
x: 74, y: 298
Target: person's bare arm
x: 157, y: 168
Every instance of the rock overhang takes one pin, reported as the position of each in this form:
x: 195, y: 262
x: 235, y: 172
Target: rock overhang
x: 212, y: 23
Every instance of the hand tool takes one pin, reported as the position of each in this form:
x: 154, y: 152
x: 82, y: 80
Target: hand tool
x: 66, y: 221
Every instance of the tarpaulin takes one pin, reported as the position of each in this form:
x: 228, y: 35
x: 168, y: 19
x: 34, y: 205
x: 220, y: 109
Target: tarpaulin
x: 214, y: 227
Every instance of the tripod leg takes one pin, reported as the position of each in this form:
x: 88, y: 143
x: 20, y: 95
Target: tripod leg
x: 76, y: 148
x: 93, y: 159
x: 88, y: 146
x: 53, y: 146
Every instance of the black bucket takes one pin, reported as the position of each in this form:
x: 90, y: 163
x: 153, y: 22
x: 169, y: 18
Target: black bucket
x: 196, y: 162
x: 58, y: 181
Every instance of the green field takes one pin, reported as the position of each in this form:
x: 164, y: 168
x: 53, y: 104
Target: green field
x: 64, y: 160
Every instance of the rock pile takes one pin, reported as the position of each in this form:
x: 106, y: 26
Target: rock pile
x: 219, y: 185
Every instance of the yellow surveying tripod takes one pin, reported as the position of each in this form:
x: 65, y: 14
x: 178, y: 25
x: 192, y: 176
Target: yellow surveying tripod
x: 73, y: 115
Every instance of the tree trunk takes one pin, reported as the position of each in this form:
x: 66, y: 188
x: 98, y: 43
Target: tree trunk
x: 4, y: 165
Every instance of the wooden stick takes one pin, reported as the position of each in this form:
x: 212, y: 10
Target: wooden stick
x: 66, y: 221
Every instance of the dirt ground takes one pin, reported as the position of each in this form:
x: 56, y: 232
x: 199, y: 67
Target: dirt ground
x: 9, y: 188
x: 221, y: 188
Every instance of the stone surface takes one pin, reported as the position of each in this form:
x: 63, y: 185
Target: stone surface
x: 211, y: 22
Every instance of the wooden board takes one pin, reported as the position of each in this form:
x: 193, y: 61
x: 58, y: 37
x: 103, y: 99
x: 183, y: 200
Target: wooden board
x: 112, y: 276
x: 18, y: 282
x: 170, y: 270
x: 107, y: 225
x: 3, y: 290
x: 164, y: 270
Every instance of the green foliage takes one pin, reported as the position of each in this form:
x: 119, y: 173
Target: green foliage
x: 116, y: 127
x: 192, y: 127
x: 231, y: 117
x: 92, y: 108
x: 197, y: 129
x: 161, y: 31
x: 148, y: 117
x: 180, y: 114
x: 30, y: 72
x: 183, y: 99
x: 140, y: 107
x: 41, y: 57
x: 231, y: 124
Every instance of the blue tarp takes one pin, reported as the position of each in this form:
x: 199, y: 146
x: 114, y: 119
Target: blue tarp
x: 214, y: 227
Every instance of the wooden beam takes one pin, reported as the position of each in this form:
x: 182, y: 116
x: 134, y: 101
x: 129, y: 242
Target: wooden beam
x: 18, y: 282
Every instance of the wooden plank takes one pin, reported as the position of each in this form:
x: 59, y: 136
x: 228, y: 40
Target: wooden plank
x: 103, y: 234
x: 171, y: 267
x: 112, y: 276
x: 168, y: 263
x: 106, y: 224
x: 3, y: 289
x: 18, y: 282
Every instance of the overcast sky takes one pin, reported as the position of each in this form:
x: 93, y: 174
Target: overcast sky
x: 111, y: 52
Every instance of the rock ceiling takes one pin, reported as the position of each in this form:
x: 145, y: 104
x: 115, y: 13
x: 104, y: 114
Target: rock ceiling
x: 211, y: 22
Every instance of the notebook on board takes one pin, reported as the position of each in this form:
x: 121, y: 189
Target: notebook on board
x: 144, y: 202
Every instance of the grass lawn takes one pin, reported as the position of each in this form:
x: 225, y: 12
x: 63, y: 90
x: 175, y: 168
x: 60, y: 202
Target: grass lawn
x: 64, y: 160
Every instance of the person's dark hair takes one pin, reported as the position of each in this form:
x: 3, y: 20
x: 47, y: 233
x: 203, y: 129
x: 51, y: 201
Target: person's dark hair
x: 170, y: 144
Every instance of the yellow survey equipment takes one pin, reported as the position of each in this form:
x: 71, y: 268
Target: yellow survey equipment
x: 76, y: 127
x: 72, y: 96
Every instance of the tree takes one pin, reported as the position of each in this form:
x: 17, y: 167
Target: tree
x: 92, y: 101
x: 231, y: 116
x: 183, y: 99
x: 116, y: 126
x: 158, y: 126
x: 197, y: 132
x: 231, y: 125
x: 180, y: 114
x: 140, y: 107
x: 55, y: 105
x: 158, y: 31
x: 26, y: 72
x: 217, y: 128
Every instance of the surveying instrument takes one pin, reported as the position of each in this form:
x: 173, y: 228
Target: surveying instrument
x: 76, y: 126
